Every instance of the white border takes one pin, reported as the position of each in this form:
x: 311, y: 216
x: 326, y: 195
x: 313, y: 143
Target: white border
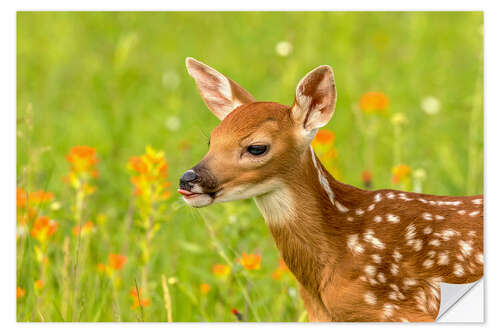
x: 492, y: 167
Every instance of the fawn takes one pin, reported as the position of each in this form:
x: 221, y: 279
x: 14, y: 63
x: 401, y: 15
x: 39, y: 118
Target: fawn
x: 358, y: 255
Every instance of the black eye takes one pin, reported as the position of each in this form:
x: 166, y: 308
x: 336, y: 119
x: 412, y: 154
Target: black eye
x: 257, y: 149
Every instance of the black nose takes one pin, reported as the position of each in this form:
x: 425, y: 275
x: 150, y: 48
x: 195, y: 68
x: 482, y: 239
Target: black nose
x: 189, y: 176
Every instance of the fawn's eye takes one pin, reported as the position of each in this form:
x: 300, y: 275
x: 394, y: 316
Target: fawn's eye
x: 257, y: 149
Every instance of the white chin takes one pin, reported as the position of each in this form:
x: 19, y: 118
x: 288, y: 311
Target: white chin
x: 199, y: 200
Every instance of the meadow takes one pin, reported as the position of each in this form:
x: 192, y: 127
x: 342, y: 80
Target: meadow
x: 108, y: 120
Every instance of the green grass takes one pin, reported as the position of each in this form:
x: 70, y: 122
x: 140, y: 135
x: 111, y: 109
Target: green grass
x: 115, y: 81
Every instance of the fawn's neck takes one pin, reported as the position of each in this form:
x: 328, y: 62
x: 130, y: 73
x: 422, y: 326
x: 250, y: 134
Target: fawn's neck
x: 301, y: 216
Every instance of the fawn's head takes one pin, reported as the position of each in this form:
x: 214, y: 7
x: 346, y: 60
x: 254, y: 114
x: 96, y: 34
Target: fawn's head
x: 257, y: 145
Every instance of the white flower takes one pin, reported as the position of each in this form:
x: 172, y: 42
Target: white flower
x: 170, y: 79
x: 430, y: 105
x: 173, y: 123
x: 56, y: 205
x: 284, y: 48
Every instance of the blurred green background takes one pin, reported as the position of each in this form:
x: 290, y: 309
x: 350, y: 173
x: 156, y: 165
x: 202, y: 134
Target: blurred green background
x: 117, y: 82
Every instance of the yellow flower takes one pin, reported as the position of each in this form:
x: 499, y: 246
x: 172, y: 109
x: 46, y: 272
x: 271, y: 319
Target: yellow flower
x: 221, y: 270
x: 85, y: 230
x: 205, y: 288
x: 38, y: 284
x: 401, y: 173
x: 250, y: 261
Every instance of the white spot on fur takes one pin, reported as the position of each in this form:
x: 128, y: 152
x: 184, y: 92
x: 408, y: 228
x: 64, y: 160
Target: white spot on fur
x: 477, y: 201
x: 350, y: 219
x: 439, y: 217
x: 471, y: 233
x: 370, y: 270
x: 378, y: 197
x: 390, y: 195
x: 377, y: 219
x: 404, y: 320
x: 370, y: 298
x: 435, y: 242
x: 428, y: 263
x: 371, y: 207
x: 475, y: 213
x: 427, y: 230
x: 465, y: 247
x: 388, y: 309
x: 373, y: 282
x: 461, y: 212
x: 410, y: 231
x: 396, y: 255
x: 460, y: 257
x: 422, y: 200
x: 459, y: 270
x: 370, y: 238
x: 409, y: 283
x: 427, y: 216
x: 392, y: 218
x: 376, y: 258
x: 479, y: 258
x: 341, y: 207
x: 443, y: 259
x: 394, y: 269
x: 359, y: 211
x: 354, y: 245
x: 381, y: 277
x: 447, y: 234
x: 416, y: 244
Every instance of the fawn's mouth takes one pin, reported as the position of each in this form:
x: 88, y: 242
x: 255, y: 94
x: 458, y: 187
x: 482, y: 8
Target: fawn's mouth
x: 197, y: 199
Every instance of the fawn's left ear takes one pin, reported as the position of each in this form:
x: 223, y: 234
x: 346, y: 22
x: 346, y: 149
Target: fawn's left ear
x: 220, y: 94
x: 315, y: 98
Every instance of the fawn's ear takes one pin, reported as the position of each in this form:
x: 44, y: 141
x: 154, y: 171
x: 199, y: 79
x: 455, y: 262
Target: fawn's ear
x: 220, y: 94
x: 315, y: 98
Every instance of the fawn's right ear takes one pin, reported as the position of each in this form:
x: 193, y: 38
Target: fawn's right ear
x: 315, y: 99
x: 220, y: 94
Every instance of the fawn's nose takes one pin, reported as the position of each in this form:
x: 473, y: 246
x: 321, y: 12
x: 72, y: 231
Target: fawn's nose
x: 186, y: 180
x: 189, y: 176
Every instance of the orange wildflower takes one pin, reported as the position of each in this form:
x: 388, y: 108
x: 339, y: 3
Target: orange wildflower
x: 86, y: 228
x: 43, y: 228
x: 116, y: 261
x: 221, y: 270
x: 374, y: 102
x: 101, y: 267
x: 324, y: 137
x: 366, y: 177
x: 38, y: 284
x: 250, y: 261
x: 138, y: 299
x: 20, y: 292
x: 40, y: 197
x: 401, y: 173
x: 205, y: 288
x: 149, y: 175
x: 21, y: 198
x: 82, y: 158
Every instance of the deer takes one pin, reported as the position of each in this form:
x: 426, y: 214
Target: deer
x: 357, y: 255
